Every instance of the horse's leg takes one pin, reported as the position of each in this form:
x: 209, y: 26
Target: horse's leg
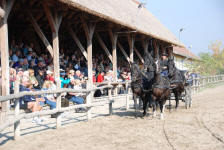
x: 154, y: 108
x: 145, y: 101
x: 135, y: 103
x: 140, y: 103
x: 177, y: 100
x: 161, y: 105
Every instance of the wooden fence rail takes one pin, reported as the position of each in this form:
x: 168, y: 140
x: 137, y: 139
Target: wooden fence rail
x: 89, y: 103
x: 201, y: 82
x: 198, y: 83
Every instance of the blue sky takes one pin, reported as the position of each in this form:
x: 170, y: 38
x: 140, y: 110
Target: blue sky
x: 202, y: 20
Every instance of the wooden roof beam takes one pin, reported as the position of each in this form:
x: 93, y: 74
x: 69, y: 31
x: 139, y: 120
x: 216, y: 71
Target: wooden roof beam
x: 49, y: 17
x: 123, y: 51
x: 41, y: 34
x: 138, y: 54
x: 102, y: 44
x: 77, y: 41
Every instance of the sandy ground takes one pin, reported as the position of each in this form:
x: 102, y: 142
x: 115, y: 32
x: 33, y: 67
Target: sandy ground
x: 198, y: 128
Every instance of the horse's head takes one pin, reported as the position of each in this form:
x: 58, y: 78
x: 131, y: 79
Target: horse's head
x: 171, y: 66
x: 148, y: 61
x: 135, y: 71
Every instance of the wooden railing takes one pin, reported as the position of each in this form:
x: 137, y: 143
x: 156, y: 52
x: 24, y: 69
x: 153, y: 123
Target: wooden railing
x: 89, y: 102
x: 204, y: 81
x: 198, y: 83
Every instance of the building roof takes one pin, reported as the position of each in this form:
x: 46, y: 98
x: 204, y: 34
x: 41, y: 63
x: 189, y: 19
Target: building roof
x: 126, y: 13
x: 184, y: 52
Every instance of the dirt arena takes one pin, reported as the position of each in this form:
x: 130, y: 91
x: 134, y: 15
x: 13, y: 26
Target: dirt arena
x: 198, y: 128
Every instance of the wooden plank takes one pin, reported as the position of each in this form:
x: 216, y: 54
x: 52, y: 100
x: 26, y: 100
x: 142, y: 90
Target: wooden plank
x: 138, y: 54
x: 17, y: 107
x: 40, y: 34
x: 123, y: 51
x: 104, y: 47
x: 131, y: 42
x: 77, y: 41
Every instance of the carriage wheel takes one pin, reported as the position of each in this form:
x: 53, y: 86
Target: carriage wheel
x: 186, y: 98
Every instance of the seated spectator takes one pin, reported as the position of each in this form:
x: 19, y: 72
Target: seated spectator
x: 30, y: 102
x: 77, y: 75
x: 25, y: 65
x: 32, y: 78
x: 40, y: 79
x: 49, y: 98
x: 76, y: 97
x: 100, y: 77
x: 50, y: 75
x: 109, y: 76
x: 64, y: 81
x: 71, y: 74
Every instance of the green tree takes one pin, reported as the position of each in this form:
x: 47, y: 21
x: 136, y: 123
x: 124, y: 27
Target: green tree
x: 211, y: 63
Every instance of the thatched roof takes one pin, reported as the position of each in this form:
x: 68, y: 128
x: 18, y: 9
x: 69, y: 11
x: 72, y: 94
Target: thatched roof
x: 184, y: 52
x: 126, y: 13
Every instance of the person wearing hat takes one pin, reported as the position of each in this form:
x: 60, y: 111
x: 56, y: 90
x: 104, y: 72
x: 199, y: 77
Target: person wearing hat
x: 63, y: 80
x: 164, y: 64
x: 49, y: 75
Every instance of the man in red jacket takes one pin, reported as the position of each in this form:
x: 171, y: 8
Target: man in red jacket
x: 100, y: 77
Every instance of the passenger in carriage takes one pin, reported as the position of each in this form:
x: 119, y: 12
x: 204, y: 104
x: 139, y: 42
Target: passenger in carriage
x: 164, y: 65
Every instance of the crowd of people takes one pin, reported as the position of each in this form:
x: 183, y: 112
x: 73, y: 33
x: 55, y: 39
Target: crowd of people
x: 34, y: 68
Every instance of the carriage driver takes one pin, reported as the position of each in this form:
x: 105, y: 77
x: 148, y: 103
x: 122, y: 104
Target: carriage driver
x: 164, y: 65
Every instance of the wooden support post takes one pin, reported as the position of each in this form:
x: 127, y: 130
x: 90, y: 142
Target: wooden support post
x: 110, y: 98
x: 104, y: 47
x: 113, y: 38
x: 55, y: 23
x: 139, y: 55
x: 127, y: 95
x: 131, y: 42
x: 89, y: 99
x: 123, y: 51
x: 77, y: 41
x: 6, y: 6
x: 17, y: 107
x: 89, y: 31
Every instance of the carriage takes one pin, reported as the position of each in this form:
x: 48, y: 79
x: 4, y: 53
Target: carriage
x: 186, y: 94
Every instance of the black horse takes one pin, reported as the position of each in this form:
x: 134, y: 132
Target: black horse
x: 177, y: 80
x: 137, y: 84
x: 142, y: 81
x: 160, y: 90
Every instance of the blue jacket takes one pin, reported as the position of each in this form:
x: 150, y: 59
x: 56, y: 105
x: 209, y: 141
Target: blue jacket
x: 27, y: 98
x: 63, y: 81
